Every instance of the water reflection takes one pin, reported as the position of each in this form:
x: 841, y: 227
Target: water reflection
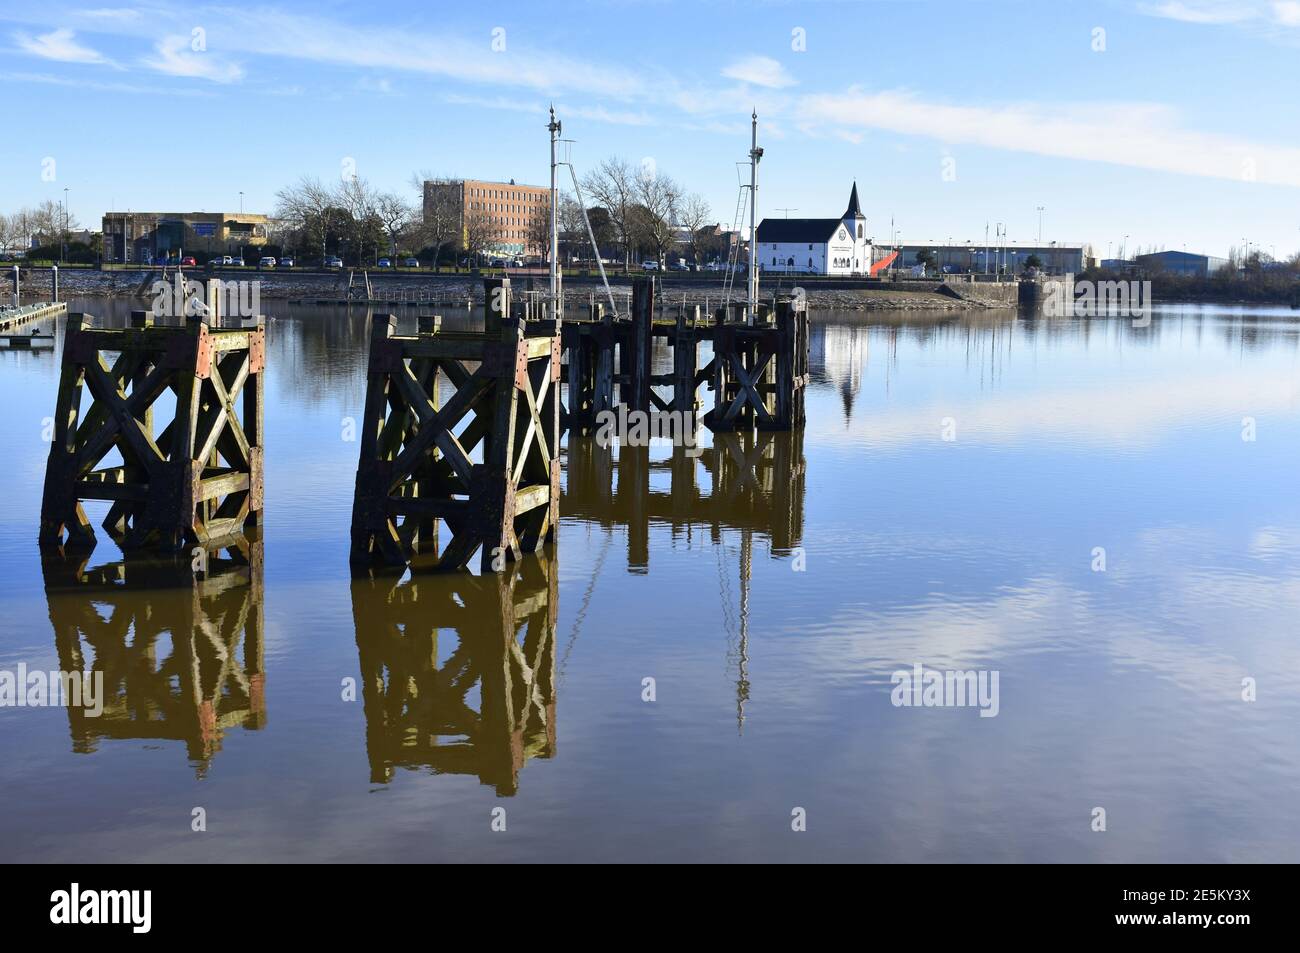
x: 754, y: 482
x: 419, y: 702
x: 180, y: 653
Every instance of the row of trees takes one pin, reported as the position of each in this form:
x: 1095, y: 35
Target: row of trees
x: 633, y: 212
x: 46, y: 225
x: 350, y: 217
x: 641, y: 211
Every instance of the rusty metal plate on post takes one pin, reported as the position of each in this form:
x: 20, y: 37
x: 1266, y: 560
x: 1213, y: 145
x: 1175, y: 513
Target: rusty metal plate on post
x: 256, y: 351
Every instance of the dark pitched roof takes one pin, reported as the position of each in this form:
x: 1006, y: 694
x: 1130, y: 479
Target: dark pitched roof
x: 797, y: 229
x: 854, y: 210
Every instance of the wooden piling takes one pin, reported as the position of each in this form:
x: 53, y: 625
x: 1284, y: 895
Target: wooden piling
x: 415, y: 458
x: 200, y: 478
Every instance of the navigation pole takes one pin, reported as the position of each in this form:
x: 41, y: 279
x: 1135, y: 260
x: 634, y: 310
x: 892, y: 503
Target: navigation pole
x: 755, y: 153
x: 554, y: 232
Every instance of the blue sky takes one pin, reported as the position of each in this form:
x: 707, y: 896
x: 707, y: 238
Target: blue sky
x: 1176, y: 126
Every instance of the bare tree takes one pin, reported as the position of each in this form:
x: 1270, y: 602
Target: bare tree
x: 361, y: 200
x: 539, y: 228
x: 659, y: 196
x: 13, y: 231
x: 693, y: 214
x: 397, y: 217
x: 49, y: 222
x: 480, y: 232
x: 311, y: 208
x: 613, y: 186
x: 441, y: 224
x: 572, y: 225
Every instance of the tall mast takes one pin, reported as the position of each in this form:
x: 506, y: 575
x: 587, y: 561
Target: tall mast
x: 553, y: 232
x: 755, y: 153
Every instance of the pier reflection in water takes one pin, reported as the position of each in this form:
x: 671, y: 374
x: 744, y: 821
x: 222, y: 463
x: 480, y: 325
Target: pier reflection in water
x: 1119, y: 688
x: 180, y: 653
x: 750, y: 482
x: 419, y: 703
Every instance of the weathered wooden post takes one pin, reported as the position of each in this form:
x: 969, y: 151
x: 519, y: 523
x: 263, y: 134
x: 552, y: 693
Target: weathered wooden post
x: 791, y: 363
x: 641, y: 339
x: 198, y: 480
x: 685, y: 362
x: 415, y: 464
x: 603, y: 385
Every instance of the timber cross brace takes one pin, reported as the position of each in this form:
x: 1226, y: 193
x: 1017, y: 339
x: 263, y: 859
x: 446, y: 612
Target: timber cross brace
x: 757, y: 371
x: 415, y: 466
x: 196, y: 480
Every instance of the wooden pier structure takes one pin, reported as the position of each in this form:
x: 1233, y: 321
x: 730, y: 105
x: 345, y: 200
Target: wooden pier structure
x: 180, y: 647
x: 419, y: 713
x: 197, y: 479
x: 11, y: 319
x: 417, y: 464
x: 756, y: 366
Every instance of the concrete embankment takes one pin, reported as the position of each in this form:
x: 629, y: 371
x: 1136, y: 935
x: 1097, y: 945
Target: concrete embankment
x: 416, y: 289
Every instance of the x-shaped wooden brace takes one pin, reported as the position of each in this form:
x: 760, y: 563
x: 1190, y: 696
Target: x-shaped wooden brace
x: 535, y: 430
x: 224, y: 430
x: 122, y: 427
x: 748, y: 388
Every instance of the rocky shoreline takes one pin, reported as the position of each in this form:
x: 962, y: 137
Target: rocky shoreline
x: 456, y: 290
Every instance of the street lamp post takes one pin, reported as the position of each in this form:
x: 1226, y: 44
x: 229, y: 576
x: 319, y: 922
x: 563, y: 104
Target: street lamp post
x: 1040, y: 223
x: 63, y: 245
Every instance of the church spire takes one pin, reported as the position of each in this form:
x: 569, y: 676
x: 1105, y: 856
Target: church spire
x: 854, y: 210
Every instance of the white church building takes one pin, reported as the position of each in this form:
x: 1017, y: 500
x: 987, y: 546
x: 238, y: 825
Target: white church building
x: 818, y: 246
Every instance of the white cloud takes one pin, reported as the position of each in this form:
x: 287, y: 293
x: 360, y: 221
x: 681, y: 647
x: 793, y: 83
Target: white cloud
x: 1256, y: 13
x: 111, y: 13
x: 175, y: 58
x: 382, y: 86
x: 760, y: 71
x: 1202, y: 11
x: 1141, y: 135
x: 1287, y: 12
x: 59, y: 45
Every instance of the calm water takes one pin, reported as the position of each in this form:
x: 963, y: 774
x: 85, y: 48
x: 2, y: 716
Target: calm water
x: 1119, y: 689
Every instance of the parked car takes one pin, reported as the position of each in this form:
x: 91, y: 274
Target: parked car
x: 412, y: 263
x: 650, y: 265
x: 189, y: 261
x: 237, y: 261
x: 266, y: 262
x: 333, y: 261
x: 384, y: 263
x: 497, y: 263
x: 286, y: 262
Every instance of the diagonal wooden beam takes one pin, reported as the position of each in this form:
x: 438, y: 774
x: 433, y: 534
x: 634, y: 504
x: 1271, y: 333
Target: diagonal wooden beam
x: 141, y: 444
